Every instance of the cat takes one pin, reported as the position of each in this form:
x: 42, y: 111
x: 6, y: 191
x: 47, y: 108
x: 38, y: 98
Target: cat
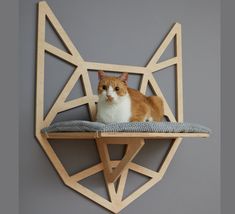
x: 118, y: 103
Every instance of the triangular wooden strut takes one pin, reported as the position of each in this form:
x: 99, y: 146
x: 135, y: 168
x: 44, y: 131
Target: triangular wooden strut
x: 133, y: 147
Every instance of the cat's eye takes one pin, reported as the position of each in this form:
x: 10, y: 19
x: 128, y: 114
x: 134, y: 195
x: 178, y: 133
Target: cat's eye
x: 116, y: 88
x: 104, y: 87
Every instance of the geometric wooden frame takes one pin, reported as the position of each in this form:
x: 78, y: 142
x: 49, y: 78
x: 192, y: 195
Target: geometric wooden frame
x: 113, y: 169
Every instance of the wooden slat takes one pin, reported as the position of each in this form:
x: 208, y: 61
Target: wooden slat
x: 94, y: 135
x: 163, y: 46
x: 170, y: 156
x: 144, y: 83
x: 142, y: 170
x: 71, y: 135
x: 40, y: 74
x: 139, y: 192
x: 53, y: 157
x: 60, y: 31
x: 89, y: 94
x: 115, y: 68
x: 104, y: 157
x: 133, y: 148
x: 179, y: 75
x: 151, y: 135
x: 61, y: 54
x: 58, y: 105
x: 91, y: 171
x: 164, y: 64
x: 157, y: 90
x: 87, y: 172
x: 122, y: 184
x: 74, y: 103
x: 93, y: 196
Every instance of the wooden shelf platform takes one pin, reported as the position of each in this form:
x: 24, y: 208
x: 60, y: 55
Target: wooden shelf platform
x: 145, y: 135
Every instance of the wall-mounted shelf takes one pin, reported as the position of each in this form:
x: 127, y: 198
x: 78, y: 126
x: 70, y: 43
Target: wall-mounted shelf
x: 96, y: 135
x: 113, y: 169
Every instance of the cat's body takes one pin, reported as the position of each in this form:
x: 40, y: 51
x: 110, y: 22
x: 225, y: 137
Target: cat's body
x: 118, y: 103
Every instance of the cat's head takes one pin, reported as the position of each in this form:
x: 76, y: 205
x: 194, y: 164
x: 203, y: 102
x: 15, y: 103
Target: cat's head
x: 112, y: 89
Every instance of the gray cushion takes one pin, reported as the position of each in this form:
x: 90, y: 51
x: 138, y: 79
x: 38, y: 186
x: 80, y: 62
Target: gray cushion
x: 161, y: 127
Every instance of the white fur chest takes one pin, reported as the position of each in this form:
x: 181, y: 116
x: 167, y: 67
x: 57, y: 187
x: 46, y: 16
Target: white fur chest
x: 116, y: 112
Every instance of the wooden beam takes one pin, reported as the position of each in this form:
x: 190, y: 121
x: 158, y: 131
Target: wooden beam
x: 145, y: 135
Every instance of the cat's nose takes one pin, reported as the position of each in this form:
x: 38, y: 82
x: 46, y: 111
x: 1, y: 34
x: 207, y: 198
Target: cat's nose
x: 109, y: 98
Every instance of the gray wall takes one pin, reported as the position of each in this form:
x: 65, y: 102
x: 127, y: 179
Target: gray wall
x: 227, y: 107
x: 9, y: 106
x: 126, y: 32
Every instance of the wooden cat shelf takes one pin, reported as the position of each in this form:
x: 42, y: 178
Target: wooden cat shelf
x: 113, y: 169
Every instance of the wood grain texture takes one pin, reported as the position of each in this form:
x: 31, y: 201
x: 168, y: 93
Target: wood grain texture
x: 113, y: 135
x: 112, y: 169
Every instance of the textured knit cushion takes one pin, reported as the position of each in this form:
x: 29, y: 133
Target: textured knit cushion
x: 161, y: 127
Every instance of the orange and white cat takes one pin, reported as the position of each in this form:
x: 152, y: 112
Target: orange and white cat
x: 118, y: 103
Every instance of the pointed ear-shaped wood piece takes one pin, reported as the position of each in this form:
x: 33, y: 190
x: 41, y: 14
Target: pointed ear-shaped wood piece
x: 175, y: 30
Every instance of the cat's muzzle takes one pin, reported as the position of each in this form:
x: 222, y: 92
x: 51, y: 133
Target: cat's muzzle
x: 109, y: 98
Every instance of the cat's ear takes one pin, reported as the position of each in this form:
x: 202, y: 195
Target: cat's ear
x: 101, y: 75
x: 124, y: 77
